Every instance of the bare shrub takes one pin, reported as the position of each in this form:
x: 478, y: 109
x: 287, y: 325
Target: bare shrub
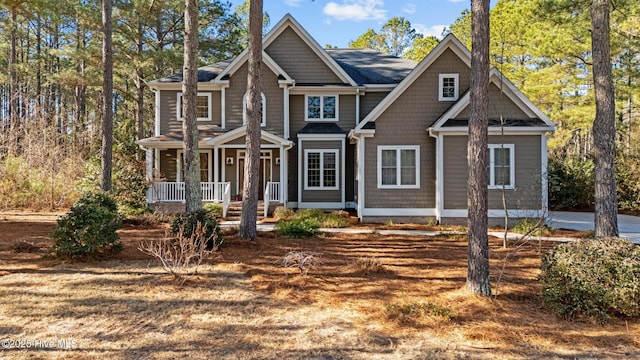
x: 181, y: 255
x: 368, y: 265
x: 302, y: 260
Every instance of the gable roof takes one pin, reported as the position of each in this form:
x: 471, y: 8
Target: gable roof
x: 242, y: 131
x: 288, y: 21
x: 241, y: 59
x: 205, y: 73
x: 536, y: 117
x: 449, y: 42
x: 367, y: 66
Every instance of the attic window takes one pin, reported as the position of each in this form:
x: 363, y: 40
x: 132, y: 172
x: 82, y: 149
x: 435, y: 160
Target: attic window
x: 448, y: 87
x: 263, y: 111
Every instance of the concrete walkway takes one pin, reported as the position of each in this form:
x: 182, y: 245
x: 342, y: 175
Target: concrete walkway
x: 629, y: 226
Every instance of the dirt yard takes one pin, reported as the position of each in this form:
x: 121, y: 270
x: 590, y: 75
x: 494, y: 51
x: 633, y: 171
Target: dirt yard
x: 244, y: 304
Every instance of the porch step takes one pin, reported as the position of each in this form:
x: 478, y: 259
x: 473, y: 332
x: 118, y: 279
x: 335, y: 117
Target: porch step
x: 234, y: 212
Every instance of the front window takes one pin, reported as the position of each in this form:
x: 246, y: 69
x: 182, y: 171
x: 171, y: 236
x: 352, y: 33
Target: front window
x: 448, y: 87
x: 204, y: 166
x: 322, y: 107
x: 203, y: 107
x: 263, y: 110
x: 398, y: 167
x: 501, y: 167
x: 321, y: 169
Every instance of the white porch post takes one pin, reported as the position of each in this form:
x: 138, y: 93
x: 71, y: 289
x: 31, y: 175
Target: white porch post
x: 216, y: 161
x: 283, y: 176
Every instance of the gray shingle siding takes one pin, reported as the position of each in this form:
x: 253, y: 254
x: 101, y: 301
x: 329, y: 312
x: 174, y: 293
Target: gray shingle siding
x: 525, y: 196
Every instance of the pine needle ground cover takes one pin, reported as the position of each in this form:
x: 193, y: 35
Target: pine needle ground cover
x: 244, y: 303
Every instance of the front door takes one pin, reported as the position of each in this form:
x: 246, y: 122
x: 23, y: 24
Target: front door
x: 264, y: 172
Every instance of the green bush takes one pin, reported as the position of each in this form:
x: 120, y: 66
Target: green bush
x: 89, y: 228
x: 596, y: 278
x: 189, y: 222
x: 298, y: 227
x: 570, y: 183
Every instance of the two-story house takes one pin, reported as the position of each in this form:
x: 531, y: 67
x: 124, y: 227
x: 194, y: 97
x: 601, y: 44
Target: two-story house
x: 353, y: 128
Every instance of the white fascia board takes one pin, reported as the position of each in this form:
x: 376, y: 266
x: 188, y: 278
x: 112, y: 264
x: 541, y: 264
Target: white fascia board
x: 324, y: 89
x: 463, y: 130
x: 379, y: 87
x: 449, y: 42
x: 322, y: 136
x: 178, y: 86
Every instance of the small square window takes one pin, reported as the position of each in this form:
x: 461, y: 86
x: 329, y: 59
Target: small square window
x: 448, y: 87
x: 203, y: 107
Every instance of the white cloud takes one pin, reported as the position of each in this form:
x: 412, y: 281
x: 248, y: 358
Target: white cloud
x: 294, y: 3
x: 356, y: 10
x: 435, y: 30
x: 409, y: 8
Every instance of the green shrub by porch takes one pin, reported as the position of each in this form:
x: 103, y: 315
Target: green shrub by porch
x: 189, y: 223
x: 298, y: 227
x: 89, y: 228
x: 597, y: 278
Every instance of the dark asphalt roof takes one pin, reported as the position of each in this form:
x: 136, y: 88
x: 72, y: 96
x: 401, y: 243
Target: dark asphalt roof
x: 205, y: 73
x: 366, y: 66
x: 322, y: 128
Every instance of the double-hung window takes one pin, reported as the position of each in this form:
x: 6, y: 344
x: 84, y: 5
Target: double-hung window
x: 399, y: 167
x: 321, y: 169
x: 203, y: 106
x: 321, y: 108
x: 501, y: 166
x: 448, y: 87
x: 263, y: 110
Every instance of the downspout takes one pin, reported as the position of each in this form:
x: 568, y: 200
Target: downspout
x: 439, y: 174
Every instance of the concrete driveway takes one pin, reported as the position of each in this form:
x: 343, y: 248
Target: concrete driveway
x: 629, y: 226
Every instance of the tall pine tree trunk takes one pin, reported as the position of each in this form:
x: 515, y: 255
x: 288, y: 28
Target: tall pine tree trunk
x: 192, y: 192
x: 251, y: 186
x: 13, y: 83
x: 604, y: 125
x: 478, y: 265
x: 107, y: 97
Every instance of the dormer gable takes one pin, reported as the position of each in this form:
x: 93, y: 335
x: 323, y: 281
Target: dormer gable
x: 450, y: 42
x: 311, y: 63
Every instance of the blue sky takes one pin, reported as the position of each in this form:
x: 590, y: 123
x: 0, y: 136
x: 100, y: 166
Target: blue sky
x: 337, y: 22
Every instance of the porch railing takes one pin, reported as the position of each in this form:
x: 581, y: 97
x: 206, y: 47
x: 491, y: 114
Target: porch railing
x: 167, y: 191
x: 271, y: 194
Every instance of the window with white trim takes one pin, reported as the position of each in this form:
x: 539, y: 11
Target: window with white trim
x: 501, y: 166
x: 321, y: 169
x: 448, y: 87
x: 203, y: 107
x: 399, y: 167
x: 321, y: 108
x: 205, y: 165
x: 263, y: 109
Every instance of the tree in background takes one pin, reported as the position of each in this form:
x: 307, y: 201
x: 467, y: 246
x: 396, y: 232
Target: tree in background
x: 192, y: 192
x: 396, y: 37
x: 478, y: 266
x: 242, y: 11
x: 421, y: 47
x: 604, y: 125
x: 107, y: 97
x: 251, y: 186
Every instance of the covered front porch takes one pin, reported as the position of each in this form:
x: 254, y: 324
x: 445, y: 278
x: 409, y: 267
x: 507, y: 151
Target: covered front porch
x: 222, y: 159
